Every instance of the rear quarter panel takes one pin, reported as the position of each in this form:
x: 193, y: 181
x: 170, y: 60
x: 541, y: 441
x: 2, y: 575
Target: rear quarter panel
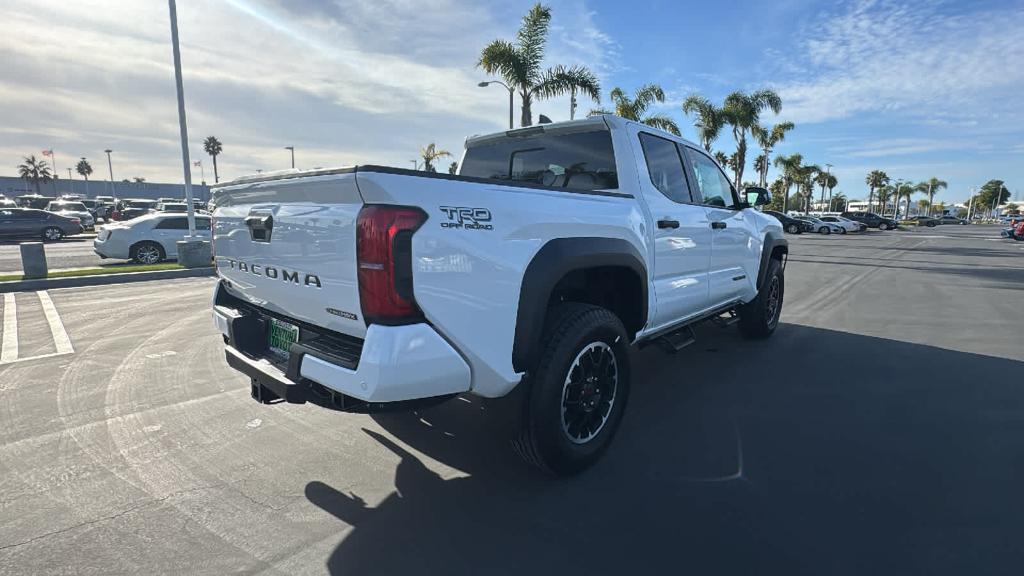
x: 467, y: 280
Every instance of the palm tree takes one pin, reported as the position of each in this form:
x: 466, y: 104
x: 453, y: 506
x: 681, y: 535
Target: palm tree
x: 825, y: 180
x: 139, y: 180
x: 743, y: 111
x: 213, y: 147
x: 884, y: 193
x: 636, y: 107
x: 722, y: 159
x: 35, y: 171
x: 805, y: 180
x: 709, y: 119
x: 84, y: 168
x: 429, y: 153
x: 790, y: 167
x: 837, y: 202
x: 931, y: 186
x: 453, y: 167
x: 875, y: 179
x: 767, y: 139
x: 905, y: 190
x: 519, y: 62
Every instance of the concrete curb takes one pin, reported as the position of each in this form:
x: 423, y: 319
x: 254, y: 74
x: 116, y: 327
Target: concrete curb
x: 103, y: 279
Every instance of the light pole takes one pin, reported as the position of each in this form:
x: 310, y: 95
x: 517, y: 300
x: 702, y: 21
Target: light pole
x: 110, y: 167
x: 415, y: 164
x: 71, y: 182
x: 182, y: 125
x: 510, y: 93
x: 896, y: 193
x: 828, y: 172
x: 292, y: 149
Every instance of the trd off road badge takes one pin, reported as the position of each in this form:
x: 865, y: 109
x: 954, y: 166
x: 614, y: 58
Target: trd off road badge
x: 466, y: 218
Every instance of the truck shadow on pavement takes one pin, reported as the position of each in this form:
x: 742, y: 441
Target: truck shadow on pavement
x: 815, y: 452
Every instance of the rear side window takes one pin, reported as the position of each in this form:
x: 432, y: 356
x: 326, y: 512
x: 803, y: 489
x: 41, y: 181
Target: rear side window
x: 578, y: 161
x: 201, y: 223
x: 665, y: 167
x: 172, y: 224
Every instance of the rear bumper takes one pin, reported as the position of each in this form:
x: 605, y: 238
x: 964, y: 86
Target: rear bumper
x: 396, y: 363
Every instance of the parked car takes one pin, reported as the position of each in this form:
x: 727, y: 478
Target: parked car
x: 7, y: 203
x: 822, y: 227
x: 34, y: 201
x: 925, y: 221
x: 147, y: 239
x: 73, y: 209
x: 847, y: 224
x: 789, y: 224
x: 133, y: 208
x: 871, y: 220
x: 172, y: 207
x: 947, y: 219
x: 36, y: 224
x: 614, y: 224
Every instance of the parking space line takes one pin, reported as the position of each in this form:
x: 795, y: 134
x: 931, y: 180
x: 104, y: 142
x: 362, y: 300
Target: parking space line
x: 9, y: 346
x: 60, y: 335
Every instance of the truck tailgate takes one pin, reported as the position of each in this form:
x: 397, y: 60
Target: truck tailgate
x: 288, y: 245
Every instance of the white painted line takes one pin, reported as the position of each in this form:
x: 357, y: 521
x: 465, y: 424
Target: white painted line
x: 9, y: 346
x: 41, y: 356
x: 60, y: 335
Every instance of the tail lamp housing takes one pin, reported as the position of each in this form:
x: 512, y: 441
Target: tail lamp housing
x: 384, y: 259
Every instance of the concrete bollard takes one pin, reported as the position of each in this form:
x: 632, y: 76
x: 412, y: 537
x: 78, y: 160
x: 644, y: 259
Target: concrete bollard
x: 33, y: 260
x: 194, y: 253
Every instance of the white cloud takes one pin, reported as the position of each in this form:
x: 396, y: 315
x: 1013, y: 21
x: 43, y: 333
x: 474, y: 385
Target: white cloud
x: 343, y: 81
x: 916, y: 59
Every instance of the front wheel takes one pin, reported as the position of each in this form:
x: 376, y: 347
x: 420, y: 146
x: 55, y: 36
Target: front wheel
x: 793, y: 229
x: 842, y: 231
x: 578, y: 390
x: 760, y: 317
x: 52, y: 234
x: 824, y: 230
x: 883, y: 226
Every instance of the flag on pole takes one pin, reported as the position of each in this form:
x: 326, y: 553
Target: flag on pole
x: 47, y: 152
x: 197, y: 163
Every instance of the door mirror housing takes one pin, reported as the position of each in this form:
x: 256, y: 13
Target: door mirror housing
x: 757, y: 196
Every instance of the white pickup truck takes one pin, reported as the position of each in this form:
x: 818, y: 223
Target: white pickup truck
x: 554, y: 249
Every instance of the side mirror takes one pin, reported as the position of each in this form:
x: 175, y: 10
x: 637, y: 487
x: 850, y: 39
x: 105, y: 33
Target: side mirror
x: 757, y: 196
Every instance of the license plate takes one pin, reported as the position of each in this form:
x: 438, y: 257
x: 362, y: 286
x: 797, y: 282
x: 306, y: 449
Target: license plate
x: 281, y: 336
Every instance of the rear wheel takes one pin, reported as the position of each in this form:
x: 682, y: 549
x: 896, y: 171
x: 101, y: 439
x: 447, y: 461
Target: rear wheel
x: 578, y: 390
x: 883, y: 226
x: 52, y: 234
x: 842, y: 230
x: 760, y: 317
x: 147, y: 253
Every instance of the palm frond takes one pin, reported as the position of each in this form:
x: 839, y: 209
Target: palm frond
x: 502, y: 58
x: 662, y: 122
x: 561, y: 80
x: 767, y: 99
x: 532, y: 37
x: 647, y: 95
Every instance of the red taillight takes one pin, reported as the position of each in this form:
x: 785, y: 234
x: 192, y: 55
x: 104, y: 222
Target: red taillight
x: 384, y: 258
x: 115, y: 215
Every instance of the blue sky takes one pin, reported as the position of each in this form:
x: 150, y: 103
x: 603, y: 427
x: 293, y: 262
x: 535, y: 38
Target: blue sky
x: 917, y: 89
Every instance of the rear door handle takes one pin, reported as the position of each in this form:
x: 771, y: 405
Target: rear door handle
x: 668, y: 223
x: 719, y: 225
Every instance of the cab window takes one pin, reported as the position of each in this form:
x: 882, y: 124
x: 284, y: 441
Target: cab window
x: 714, y: 187
x: 665, y: 167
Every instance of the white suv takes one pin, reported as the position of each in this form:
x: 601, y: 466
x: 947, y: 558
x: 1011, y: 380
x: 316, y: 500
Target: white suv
x: 147, y: 239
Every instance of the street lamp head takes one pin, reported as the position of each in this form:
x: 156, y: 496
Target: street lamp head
x: 289, y: 147
x: 484, y: 84
x: 108, y: 150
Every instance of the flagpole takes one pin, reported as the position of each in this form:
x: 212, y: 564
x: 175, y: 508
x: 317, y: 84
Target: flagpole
x: 53, y: 160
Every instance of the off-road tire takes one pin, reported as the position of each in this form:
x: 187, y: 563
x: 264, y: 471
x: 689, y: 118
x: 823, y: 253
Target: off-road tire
x: 758, y: 318
x: 571, y: 331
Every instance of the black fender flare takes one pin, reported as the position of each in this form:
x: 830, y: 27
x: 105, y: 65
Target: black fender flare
x: 772, y: 240
x: 549, y: 265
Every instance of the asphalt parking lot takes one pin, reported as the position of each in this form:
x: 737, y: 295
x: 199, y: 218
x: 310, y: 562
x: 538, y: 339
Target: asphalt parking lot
x: 881, y: 430
x: 73, y: 252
